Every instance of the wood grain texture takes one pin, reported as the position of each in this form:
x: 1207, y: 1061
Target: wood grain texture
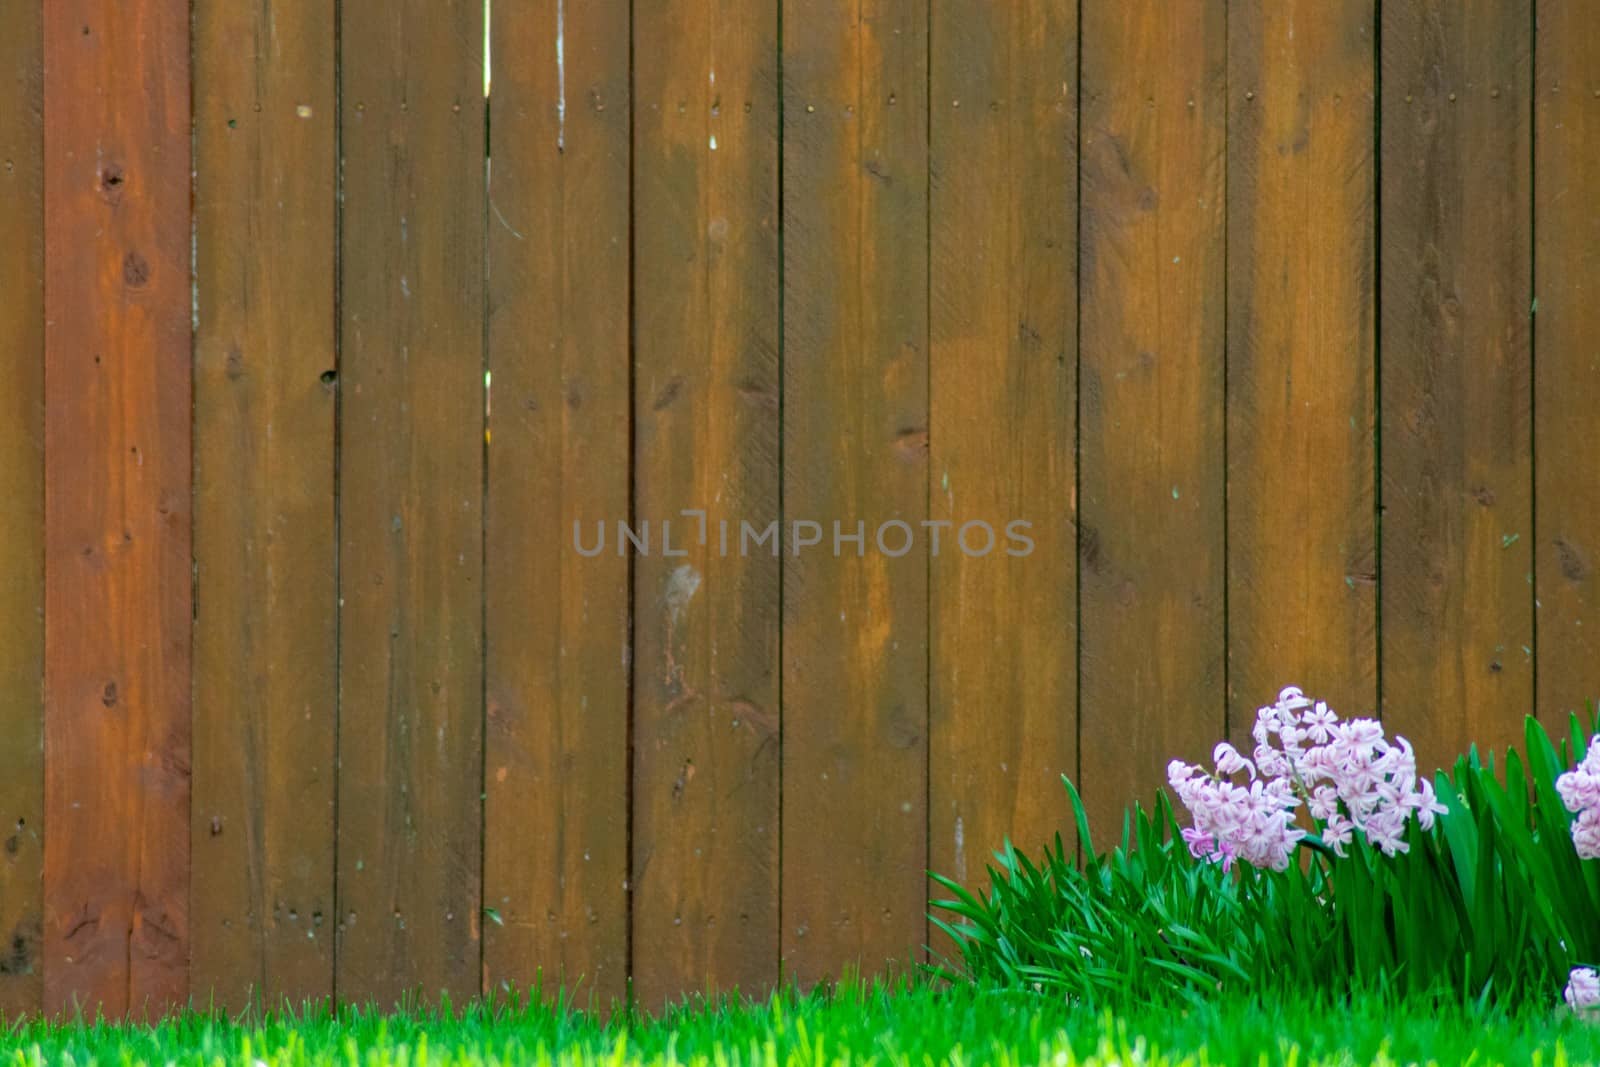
x: 556, y: 840
x: 855, y: 444
x: 117, y: 510
x: 265, y: 676
x: 1302, y: 567
x: 1152, y: 366
x: 908, y: 350
x: 705, y: 819
x: 410, y: 500
x: 1457, y: 435
x: 1567, y: 360
x: 1003, y: 363
x: 22, y: 519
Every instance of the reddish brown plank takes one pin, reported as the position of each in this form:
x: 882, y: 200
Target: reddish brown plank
x: 1567, y: 362
x: 22, y: 518
x: 117, y: 569
x: 1152, y: 366
x: 1003, y: 365
x: 556, y: 839
x: 411, y: 500
x: 855, y: 443
x: 705, y: 820
x: 265, y: 679
x: 1301, y: 525
x: 1457, y: 437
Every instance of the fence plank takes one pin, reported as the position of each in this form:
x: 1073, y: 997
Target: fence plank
x: 1152, y: 540
x: 117, y: 599
x: 855, y: 450
x: 1456, y: 376
x: 1301, y: 524
x: 705, y: 822
x: 410, y: 507
x: 22, y: 518
x: 1003, y: 359
x: 1567, y: 386
x: 265, y: 678
x: 556, y: 863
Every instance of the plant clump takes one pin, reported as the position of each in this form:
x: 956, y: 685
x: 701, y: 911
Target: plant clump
x: 1322, y: 861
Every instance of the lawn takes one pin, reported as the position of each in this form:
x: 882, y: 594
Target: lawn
x: 920, y: 1026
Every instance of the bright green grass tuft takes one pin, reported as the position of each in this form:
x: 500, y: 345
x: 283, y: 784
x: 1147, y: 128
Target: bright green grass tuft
x: 915, y: 1027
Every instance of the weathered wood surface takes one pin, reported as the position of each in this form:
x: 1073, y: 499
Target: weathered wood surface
x: 558, y: 622
x: 705, y: 417
x: 266, y: 600
x: 1301, y: 396
x: 411, y: 489
x: 22, y: 529
x: 117, y: 506
x: 1194, y: 312
x: 1152, y: 539
x: 1566, y: 305
x: 1455, y: 334
x: 855, y: 449
x: 1003, y: 359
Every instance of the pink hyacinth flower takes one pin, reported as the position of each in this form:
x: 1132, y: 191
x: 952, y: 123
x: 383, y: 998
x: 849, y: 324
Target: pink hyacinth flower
x: 1583, y: 991
x: 1580, y: 792
x: 1349, y: 774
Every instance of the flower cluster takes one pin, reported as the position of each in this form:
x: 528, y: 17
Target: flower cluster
x: 1254, y: 824
x: 1347, y: 773
x: 1583, y: 991
x: 1580, y: 792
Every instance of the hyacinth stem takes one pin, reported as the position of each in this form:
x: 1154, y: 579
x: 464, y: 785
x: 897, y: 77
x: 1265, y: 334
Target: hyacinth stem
x: 1316, y: 844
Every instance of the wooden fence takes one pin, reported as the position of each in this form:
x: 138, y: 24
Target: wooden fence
x: 1276, y: 319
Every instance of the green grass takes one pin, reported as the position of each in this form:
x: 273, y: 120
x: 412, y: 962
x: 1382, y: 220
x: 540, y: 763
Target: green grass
x: 918, y: 1026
